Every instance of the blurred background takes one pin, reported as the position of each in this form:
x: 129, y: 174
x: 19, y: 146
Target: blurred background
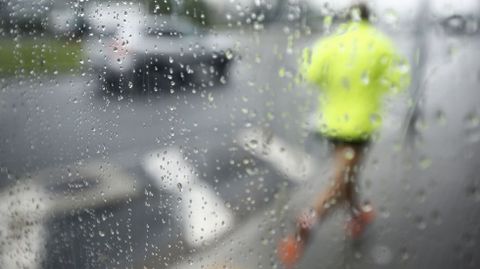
x: 176, y: 134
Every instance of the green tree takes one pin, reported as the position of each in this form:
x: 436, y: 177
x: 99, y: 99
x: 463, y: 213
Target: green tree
x: 197, y: 10
x: 160, y: 6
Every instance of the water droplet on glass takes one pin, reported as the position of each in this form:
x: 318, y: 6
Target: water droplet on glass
x: 382, y: 255
x: 349, y: 154
x: 365, y: 78
x: 229, y: 54
x: 130, y: 84
x: 473, y: 191
x: 404, y: 255
x: 403, y: 68
x: 179, y: 186
x: 437, y: 219
x: 421, y: 223
x: 101, y: 233
x: 421, y: 196
x: 384, y: 212
x: 375, y: 118
x: 440, y: 117
x: 391, y: 17
x: 425, y: 163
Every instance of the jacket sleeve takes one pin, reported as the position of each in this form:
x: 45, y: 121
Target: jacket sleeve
x: 395, y: 70
x: 312, y: 65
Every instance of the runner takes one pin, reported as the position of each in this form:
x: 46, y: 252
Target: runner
x: 353, y: 69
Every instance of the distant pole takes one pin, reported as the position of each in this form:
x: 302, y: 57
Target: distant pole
x: 418, y: 75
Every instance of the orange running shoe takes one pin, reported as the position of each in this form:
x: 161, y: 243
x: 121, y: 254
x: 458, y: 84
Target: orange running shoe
x: 290, y: 250
x: 356, y: 225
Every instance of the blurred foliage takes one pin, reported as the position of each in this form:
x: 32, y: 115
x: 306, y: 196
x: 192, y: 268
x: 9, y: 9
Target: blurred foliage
x: 39, y: 56
x: 196, y: 10
x: 160, y: 6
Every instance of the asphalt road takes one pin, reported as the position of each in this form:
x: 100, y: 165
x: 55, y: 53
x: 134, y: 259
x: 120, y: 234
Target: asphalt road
x: 426, y: 192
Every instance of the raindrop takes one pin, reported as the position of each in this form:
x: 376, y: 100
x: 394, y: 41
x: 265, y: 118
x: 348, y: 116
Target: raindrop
x: 382, y: 255
x: 403, y: 68
x: 421, y: 223
x: 365, y: 78
x: 375, y: 118
x: 440, y: 117
x: 404, y: 255
x: 391, y: 17
x: 180, y: 187
x: 437, y: 219
x: 384, y: 212
x: 425, y: 163
x: 229, y: 54
x: 130, y: 84
x: 421, y: 196
x: 223, y: 80
x: 349, y: 154
x: 101, y: 233
x: 473, y: 192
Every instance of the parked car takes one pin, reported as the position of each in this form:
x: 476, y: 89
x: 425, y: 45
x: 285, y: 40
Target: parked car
x: 66, y: 20
x: 24, y: 15
x: 131, y: 50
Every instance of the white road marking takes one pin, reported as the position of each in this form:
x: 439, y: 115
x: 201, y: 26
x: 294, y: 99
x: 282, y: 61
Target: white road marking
x: 23, y: 209
x: 205, y: 216
x: 26, y: 205
x: 285, y: 158
x: 92, y: 185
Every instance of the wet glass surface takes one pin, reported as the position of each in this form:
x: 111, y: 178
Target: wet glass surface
x: 186, y: 134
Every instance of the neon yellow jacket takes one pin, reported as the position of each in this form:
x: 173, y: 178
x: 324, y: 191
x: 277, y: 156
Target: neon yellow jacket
x: 353, y: 69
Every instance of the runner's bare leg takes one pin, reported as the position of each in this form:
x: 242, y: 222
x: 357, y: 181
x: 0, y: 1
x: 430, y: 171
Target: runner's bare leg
x: 347, y: 158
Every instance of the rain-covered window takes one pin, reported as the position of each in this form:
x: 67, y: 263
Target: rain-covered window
x: 239, y: 134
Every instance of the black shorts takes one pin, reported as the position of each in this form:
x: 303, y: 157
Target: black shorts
x: 340, y: 141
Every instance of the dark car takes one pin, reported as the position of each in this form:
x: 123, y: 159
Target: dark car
x: 131, y: 50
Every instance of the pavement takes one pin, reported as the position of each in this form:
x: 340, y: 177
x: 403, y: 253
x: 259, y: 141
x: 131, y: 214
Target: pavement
x: 244, y: 152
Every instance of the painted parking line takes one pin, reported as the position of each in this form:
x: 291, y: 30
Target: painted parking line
x: 90, y: 185
x: 27, y: 204
x: 285, y: 158
x: 204, y: 215
x: 23, y: 209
